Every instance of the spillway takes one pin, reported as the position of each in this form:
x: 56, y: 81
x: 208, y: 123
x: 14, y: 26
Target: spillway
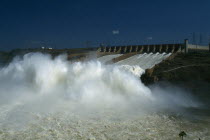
x: 108, y: 58
x: 145, y: 60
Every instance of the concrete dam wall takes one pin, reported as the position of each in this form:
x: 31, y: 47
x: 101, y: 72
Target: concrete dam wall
x: 145, y: 56
x: 161, y: 48
x: 154, y: 48
x: 193, y: 48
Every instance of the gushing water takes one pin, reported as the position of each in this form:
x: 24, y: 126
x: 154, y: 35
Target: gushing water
x: 45, y: 98
x: 145, y: 61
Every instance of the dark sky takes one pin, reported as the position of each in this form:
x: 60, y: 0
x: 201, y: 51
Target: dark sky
x: 68, y: 23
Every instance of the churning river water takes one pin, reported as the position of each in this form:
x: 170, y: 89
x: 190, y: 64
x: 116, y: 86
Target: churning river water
x: 45, y: 98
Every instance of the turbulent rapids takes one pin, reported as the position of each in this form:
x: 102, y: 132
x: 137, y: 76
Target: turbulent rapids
x: 45, y: 98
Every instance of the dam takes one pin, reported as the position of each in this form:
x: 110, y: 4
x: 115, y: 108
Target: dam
x: 148, y: 48
x: 122, y: 51
x: 145, y: 56
x: 154, y: 48
x: 60, y: 97
x: 143, y: 48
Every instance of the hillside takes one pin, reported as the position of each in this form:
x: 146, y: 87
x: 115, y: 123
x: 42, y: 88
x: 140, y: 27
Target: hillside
x: 191, y: 71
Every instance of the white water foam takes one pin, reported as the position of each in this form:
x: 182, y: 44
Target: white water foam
x: 45, y: 98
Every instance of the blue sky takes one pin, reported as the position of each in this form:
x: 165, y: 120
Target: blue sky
x: 70, y: 24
